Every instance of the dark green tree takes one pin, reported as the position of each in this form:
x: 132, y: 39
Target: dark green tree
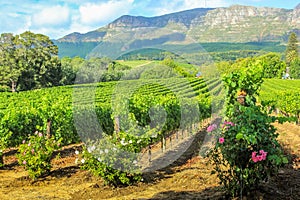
x: 70, y: 67
x: 40, y: 60
x: 29, y: 61
x: 295, y: 69
x: 10, y: 67
x: 292, y: 50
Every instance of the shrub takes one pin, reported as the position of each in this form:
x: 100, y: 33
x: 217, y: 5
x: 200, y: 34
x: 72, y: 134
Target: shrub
x: 246, y: 151
x: 115, y: 165
x: 35, y: 154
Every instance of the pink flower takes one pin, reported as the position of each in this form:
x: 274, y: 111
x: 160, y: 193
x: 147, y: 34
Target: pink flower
x: 254, y: 154
x: 264, y: 155
x: 23, y: 142
x: 224, y: 125
x: 211, y: 128
x: 260, y: 158
x: 261, y: 151
x: 29, y: 144
x: 255, y: 159
x: 40, y: 134
x: 32, y: 151
x: 24, y: 162
x: 58, y: 144
x: 221, y: 140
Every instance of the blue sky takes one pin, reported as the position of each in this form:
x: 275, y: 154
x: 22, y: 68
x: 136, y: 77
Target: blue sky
x: 56, y: 18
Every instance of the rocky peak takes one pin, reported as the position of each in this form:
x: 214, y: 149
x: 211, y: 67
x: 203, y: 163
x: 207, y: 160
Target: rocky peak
x: 183, y: 17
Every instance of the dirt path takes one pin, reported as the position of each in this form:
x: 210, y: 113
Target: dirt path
x: 188, y: 178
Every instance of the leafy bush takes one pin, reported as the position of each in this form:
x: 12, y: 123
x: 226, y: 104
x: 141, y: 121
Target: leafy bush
x: 36, y: 153
x: 247, y: 151
x: 114, y: 159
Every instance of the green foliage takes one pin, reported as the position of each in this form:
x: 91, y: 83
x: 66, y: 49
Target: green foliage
x: 91, y: 70
x: 21, y: 113
x: 239, y: 160
x: 272, y: 65
x: 69, y: 69
x: 108, y: 164
x: 29, y: 61
x: 35, y: 154
x: 292, y: 49
x: 179, y: 69
x: 247, y: 78
x: 4, y: 141
x: 11, y: 69
x: 283, y: 95
x: 295, y: 69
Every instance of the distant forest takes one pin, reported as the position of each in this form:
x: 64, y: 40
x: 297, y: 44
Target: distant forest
x: 216, y: 50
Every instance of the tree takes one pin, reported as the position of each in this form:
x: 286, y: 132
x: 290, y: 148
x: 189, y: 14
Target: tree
x: 10, y: 68
x: 40, y: 60
x: 292, y: 50
x: 29, y: 61
x: 295, y: 69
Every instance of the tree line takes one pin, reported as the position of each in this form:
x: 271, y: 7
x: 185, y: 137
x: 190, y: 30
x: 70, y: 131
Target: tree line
x: 30, y: 61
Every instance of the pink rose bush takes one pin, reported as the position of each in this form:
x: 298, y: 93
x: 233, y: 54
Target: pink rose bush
x: 35, y: 154
x: 246, y: 150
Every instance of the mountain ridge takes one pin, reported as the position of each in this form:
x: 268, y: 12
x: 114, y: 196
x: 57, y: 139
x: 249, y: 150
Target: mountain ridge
x: 236, y: 24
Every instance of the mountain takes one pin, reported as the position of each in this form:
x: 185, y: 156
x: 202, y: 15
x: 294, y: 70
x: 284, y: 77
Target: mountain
x: 234, y: 24
x: 183, y: 18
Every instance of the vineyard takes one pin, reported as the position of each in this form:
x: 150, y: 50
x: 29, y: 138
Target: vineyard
x: 183, y: 106
x: 25, y: 112
x: 284, y: 95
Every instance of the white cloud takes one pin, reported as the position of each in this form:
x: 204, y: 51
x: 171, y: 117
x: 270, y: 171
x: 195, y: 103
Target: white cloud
x: 179, y: 5
x: 51, y: 16
x: 92, y: 13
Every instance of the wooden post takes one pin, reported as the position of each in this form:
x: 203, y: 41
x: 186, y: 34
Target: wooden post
x: 117, y: 126
x: 149, y: 153
x: 163, y: 143
x: 48, y: 133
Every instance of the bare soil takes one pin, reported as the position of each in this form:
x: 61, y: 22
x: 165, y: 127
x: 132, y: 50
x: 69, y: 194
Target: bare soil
x: 188, y: 178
